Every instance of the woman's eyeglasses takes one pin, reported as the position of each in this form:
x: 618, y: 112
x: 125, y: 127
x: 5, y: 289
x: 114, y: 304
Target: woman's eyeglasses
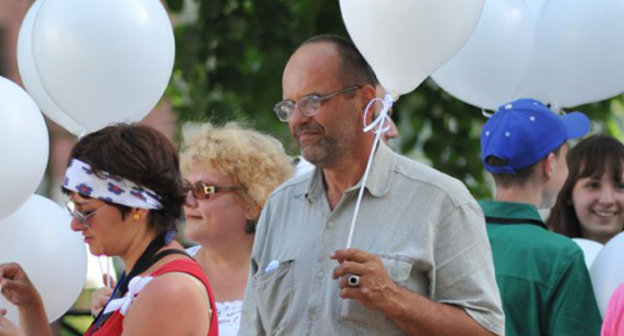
x: 83, y: 217
x: 200, y: 190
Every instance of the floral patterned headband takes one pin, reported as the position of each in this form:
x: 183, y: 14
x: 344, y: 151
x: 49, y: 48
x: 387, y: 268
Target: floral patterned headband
x: 108, y: 187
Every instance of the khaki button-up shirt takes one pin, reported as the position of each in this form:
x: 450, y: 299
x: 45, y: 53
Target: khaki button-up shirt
x: 426, y: 227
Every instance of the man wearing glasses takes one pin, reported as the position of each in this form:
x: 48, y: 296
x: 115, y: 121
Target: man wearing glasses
x: 421, y: 262
x: 303, y: 166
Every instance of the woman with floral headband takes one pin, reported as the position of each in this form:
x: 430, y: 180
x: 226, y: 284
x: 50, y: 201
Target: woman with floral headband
x: 125, y: 195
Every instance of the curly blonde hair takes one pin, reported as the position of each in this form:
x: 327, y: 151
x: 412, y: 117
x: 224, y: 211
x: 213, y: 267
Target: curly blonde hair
x: 255, y: 161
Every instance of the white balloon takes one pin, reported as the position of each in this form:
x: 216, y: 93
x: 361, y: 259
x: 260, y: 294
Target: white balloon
x: 404, y: 41
x: 607, y: 271
x: 30, y: 77
x: 491, y: 67
x: 573, y: 57
x: 103, y: 61
x: 23, y: 146
x: 39, y: 238
x: 590, y: 249
x: 97, y: 267
x: 577, y: 57
x: 535, y: 7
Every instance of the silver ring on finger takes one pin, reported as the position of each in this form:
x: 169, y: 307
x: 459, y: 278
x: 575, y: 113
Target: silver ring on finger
x: 353, y: 280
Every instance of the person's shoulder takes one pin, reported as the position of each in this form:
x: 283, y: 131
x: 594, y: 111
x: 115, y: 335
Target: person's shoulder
x: 542, y: 243
x: 556, y: 241
x: 176, y: 270
x: 419, y: 174
x: 422, y: 173
x: 177, y: 283
x: 295, y: 185
x: 161, y: 293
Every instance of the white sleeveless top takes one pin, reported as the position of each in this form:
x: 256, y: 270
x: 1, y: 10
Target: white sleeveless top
x: 228, y: 312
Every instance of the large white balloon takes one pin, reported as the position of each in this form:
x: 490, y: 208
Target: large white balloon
x: 578, y: 56
x: 103, y: 61
x: 406, y: 40
x: 590, y: 249
x: 573, y: 57
x: 607, y: 271
x: 39, y: 238
x: 535, y: 7
x: 504, y: 36
x: 23, y: 146
x: 29, y: 75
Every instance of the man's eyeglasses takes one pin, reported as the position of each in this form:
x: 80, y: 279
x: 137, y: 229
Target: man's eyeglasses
x: 83, y: 217
x: 200, y: 190
x: 309, y: 105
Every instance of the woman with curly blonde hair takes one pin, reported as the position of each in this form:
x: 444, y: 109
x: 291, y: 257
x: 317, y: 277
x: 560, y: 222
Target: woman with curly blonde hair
x: 229, y: 174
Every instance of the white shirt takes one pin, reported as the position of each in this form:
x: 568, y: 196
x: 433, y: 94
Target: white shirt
x: 228, y: 312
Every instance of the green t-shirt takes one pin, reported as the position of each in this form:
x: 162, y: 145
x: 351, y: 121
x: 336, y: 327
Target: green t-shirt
x: 541, y: 275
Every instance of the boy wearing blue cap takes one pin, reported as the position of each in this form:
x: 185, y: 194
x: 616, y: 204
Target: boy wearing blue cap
x: 541, y: 275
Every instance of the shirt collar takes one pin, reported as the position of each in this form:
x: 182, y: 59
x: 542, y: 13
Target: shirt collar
x: 511, y: 213
x: 377, y: 184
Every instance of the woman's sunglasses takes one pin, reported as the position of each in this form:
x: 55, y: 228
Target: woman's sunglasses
x: 201, y: 190
x: 83, y: 217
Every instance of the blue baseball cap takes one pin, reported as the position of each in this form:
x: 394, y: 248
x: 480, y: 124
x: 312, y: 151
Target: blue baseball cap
x: 525, y: 131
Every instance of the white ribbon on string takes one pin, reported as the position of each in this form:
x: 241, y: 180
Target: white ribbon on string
x: 122, y: 304
x: 382, y: 125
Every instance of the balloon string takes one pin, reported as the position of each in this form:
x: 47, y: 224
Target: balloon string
x: 107, y: 277
x: 108, y: 274
x: 383, y: 116
x: 380, y: 122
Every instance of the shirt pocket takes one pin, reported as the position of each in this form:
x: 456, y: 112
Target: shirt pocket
x: 274, y: 294
x: 352, y: 311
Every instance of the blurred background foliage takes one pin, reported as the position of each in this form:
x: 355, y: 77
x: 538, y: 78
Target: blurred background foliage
x: 229, y: 60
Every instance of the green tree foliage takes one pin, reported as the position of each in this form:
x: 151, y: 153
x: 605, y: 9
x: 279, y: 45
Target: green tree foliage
x: 229, y: 60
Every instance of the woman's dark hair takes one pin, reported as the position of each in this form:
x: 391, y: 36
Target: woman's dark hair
x: 142, y: 155
x: 591, y: 157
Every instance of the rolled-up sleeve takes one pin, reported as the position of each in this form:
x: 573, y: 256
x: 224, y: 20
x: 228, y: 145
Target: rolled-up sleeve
x: 464, y: 271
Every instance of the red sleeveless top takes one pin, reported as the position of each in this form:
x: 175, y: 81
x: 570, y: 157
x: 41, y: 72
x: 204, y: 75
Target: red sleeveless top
x: 113, y: 326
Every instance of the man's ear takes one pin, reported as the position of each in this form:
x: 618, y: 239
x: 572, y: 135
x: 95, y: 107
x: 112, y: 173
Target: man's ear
x: 367, y: 94
x: 548, y: 165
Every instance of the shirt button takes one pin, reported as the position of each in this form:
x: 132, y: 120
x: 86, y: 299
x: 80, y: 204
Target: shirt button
x: 320, y: 274
x: 329, y: 224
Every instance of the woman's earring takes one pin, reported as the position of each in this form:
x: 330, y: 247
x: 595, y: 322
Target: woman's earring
x: 250, y: 227
x: 136, y: 216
